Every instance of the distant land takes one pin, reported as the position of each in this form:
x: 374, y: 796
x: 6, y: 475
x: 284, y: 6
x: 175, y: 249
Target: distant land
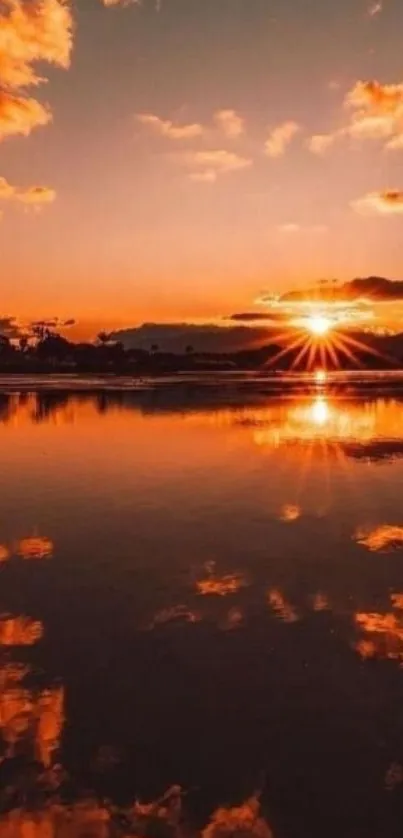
x: 53, y: 353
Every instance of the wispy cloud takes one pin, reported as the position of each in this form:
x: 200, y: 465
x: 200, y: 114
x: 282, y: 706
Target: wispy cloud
x: 375, y: 112
x: 207, y: 166
x: 375, y: 9
x: 168, y: 129
x: 293, y: 227
x: 288, y: 228
x: 34, y: 196
x: 280, y: 137
x: 389, y: 202
x: 230, y: 123
x: 320, y: 143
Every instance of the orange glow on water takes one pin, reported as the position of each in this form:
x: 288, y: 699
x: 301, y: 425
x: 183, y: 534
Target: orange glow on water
x: 383, y: 538
x: 385, y: 635
x: 20, y: 631
x: 4, y: 553
x: 221, y: 585
x: 281, y: 606
x: 35, y: 547
x: 290, y: 512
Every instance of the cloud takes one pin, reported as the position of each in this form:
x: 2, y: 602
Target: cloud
x: 20, y: 115
x: 375, y: 113
x: 389, y: 202
x: 111, y: 3
x: 36, y: 195
x: 230, y: 123
x: 289, y: 228
x: 257, y: 316
x: 208, y: 165
x: 373, y: 97
x: 370, y: 288
x: 166, y: 128
x: 6, y: 190
x: 280, y: 137
x: 33, y: 195
x: 375, y: 9
x: 31, y: 31
x: 292, y: 227
x: 320, y: 143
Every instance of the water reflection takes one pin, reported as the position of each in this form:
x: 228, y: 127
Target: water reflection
x: 175, y: 614
x: 320, y: 419
x: 290, y: 512
x: 214, y: 585
x: 385, y: 635
x: 281, y: 607
x: 383, y: 538
x: 31, y: 547
x: 31, y: 717
x: 35, y: 547
x: 4, y: 553
x: 19, y: 631
x: 220, y: 585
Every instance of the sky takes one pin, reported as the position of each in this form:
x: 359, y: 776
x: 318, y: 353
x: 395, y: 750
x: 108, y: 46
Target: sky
x: 181, y: 160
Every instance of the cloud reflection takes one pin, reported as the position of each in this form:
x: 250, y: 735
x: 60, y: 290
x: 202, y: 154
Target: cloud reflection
x: 20, y: 631
x: 290, y: 512
x: 26, y: 713
x: 35, y: 547
x: 384, y: 538
x: 281, y: 607
x: 385, y: 635
x: 220, y: 585
x: 174, y: 614
x: 4, y: 553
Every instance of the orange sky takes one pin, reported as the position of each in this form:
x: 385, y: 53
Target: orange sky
x: 179, y: 162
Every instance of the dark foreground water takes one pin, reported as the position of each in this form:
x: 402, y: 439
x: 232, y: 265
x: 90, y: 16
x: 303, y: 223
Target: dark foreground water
x: 205, y: 589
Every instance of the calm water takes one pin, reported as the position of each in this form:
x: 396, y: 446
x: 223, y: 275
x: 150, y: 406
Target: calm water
x: 208, y: 591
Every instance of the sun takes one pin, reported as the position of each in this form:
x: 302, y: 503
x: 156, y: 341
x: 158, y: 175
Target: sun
x: 318, y: 325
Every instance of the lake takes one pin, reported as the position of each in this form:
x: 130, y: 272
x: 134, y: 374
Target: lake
x: 203, y: 585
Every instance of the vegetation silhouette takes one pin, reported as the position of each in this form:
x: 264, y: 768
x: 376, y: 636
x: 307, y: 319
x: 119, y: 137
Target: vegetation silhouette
x: 45, y: 350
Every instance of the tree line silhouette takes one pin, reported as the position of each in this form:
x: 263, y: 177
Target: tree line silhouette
x: 45, y: 350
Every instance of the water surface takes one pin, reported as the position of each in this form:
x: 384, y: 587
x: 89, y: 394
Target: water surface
x: 208, y: 591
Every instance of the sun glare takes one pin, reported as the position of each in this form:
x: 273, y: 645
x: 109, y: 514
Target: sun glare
x: 320, y: 377
x: 318, y: 324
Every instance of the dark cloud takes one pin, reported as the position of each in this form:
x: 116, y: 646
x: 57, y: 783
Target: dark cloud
x: 257, y: 316
x: 375, y: 288
x: 175, y: 337
x: 52, y: 323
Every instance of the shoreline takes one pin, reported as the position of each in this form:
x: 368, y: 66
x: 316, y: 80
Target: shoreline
x: 222, y: 384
